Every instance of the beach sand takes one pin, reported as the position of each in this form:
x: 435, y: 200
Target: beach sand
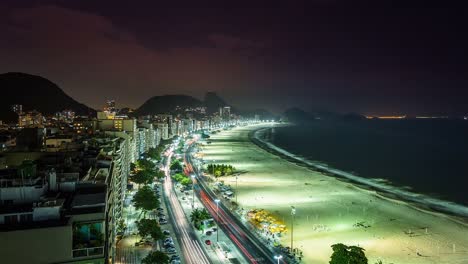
x: 398, y: 233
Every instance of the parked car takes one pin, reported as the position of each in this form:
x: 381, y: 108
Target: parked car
x: 171, y: 250
x: 162, y: 222
x: 208, y: 242
x: 166, y: 232
x: 161, y: 214
x: 209, y: 233
x: 160, y: 209
x: 175, y: 257
x: 214, y: 229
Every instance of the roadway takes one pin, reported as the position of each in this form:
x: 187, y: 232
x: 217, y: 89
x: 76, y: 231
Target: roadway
x: 253, y: 249
x: 192, y: 250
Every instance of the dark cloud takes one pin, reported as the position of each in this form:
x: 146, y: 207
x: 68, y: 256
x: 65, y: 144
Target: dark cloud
x: 315, y: 54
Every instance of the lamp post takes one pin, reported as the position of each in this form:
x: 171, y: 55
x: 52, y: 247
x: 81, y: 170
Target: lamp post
x: 237, y: 191
x: 293, y: 214
x: 217, y: 218
x: 278, y: 258
x: 193, y: 191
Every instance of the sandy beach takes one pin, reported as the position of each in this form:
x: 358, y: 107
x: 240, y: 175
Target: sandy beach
x: 328, y: 209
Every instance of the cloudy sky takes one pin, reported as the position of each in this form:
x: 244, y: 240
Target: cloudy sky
x: 313, y: 54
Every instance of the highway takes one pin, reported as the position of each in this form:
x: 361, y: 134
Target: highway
x: 251, y: 247
x: 192, y: 250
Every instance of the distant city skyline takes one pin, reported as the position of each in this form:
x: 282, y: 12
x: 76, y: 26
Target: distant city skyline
x: 320, y: 56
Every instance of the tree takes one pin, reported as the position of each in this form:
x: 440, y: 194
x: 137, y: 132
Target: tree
x: 153, y: 153
x: 185, y: 181
x: 343, y: 254
x: 142, y: 177
x: 176, y: 166
x: 145, y: 199
x: 156, y: 257
x: 159, y: 174
x: 143, y: 164
x: 149, y: 227
x: 199, y: 215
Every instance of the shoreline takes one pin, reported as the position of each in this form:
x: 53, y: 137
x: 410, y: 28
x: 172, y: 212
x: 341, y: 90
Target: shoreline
x: 432, y: 206
x: 333, y: 210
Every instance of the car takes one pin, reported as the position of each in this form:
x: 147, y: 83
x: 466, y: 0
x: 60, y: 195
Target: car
x: 161, y: 215
x: 208, y: 242
x: 209, y: 233
x: 160, y: 209
x: 183, y: 198
x: 162, y: 222
x: 175, y: 257
x: 168, y: 239
x: 175, y: 261
x: 166, y: 246
x: 166, y: 232
x: 214, y: 229
x: 171, y: 250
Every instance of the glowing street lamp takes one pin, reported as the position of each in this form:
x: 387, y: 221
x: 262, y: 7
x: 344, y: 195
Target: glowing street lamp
x: 293, y: 214
x: 278, y: 258
x: 217, y: 219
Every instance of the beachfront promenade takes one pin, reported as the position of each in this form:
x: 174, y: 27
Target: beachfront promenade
x: 332, y: 211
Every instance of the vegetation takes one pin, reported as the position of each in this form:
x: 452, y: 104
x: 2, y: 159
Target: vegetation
x: 199, y: 215
x: 142, y: 177
x: 143, y: 164
x: 176, y: 166
x: 156, y: 257
x: 149, y: 227
x: 219, y: 170
x: 343, y: 254
x: 182, y: 179
x: 145, y: 199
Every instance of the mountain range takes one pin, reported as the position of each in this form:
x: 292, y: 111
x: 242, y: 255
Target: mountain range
x: 34, y: 93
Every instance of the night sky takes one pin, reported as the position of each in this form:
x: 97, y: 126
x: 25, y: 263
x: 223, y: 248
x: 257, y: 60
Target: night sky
x: 322, y: 55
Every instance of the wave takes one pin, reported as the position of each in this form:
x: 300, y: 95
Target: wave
x: 382, y: 185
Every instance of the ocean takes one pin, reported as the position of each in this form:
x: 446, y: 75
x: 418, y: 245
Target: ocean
x: 422, y: 156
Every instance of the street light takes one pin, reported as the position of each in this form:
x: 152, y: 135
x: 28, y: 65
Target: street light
x: 193, y: 191
x: 217, y: 219
x: 237, y: 191
x: 293, y: 213
x: 278, y: 258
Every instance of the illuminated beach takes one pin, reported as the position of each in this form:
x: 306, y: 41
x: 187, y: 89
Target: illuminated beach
x: 333, y: 211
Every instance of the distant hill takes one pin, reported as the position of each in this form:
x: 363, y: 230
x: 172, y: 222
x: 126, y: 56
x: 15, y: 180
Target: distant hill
x: 169, y: 104
x: 297, y: 115
x: 213, y: 102
x: 166, y: 104
x: 34, y: 92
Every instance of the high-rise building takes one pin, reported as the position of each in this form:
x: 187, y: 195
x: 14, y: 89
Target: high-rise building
x: 30, y: 119
x: 225, y: 112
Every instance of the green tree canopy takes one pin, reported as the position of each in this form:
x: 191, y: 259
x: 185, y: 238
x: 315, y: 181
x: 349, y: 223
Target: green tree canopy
x: 176, y: 166
x: 343, y: 254
x: 145, y: 199
x: 149, y: 227
x: 156, y: 257
x: 199, y: 215
x: 143, y: 164
x: 142, y: 177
